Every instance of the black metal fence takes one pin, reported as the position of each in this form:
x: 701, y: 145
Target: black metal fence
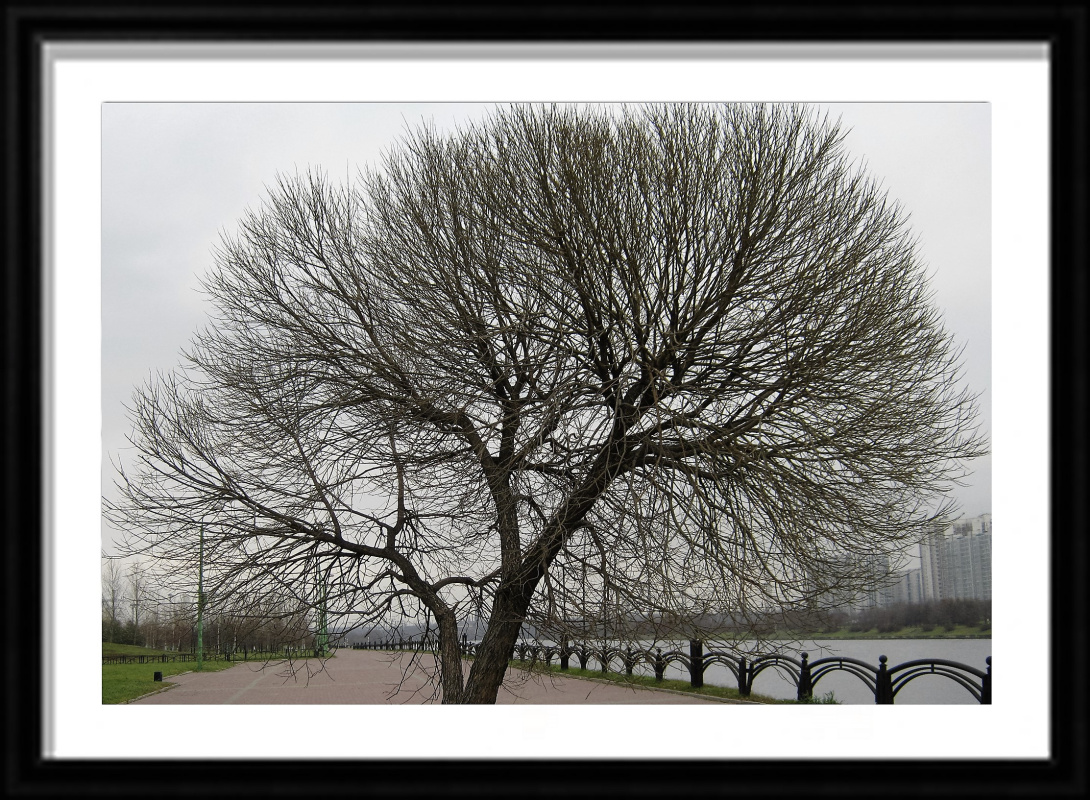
x: 237, y: 655
x: 883, y: 680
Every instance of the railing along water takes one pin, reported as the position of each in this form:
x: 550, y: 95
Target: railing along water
x: 884, y: 681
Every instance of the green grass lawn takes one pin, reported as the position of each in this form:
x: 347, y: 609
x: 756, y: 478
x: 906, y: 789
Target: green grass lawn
x: 667, y: 683
x: 122, y: 682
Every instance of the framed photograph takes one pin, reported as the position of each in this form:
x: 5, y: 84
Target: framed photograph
x: 138, y: 137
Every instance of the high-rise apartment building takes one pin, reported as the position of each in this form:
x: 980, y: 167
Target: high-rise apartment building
x: 872, y: 570
x: 881, y: 595
x: 909, y: 589
x: 956, y: 563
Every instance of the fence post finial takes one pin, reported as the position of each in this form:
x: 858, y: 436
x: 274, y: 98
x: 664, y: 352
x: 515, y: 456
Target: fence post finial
x: 986, y: 684
x: 806, y: 686
x: 883, y: 684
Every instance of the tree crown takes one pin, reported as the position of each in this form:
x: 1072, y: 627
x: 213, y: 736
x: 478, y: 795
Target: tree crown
x: 673, y: 360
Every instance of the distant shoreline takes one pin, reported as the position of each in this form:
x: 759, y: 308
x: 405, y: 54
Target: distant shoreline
x: 841, y: 635
x: 882, y: 637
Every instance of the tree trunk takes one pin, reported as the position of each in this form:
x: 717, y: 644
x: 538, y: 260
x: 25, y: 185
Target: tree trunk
x: 450, y: 661
x: 497, y: 647
x: 513, y: 599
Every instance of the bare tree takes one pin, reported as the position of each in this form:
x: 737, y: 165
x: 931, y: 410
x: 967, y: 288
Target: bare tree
x: 561, y: 367
x: 112, y: 582
x: 138, y: 595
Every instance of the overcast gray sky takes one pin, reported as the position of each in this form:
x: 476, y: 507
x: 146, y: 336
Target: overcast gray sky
x: 175, y: 175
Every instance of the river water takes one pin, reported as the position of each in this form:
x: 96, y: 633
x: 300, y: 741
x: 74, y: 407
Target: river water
x: 847, y: 688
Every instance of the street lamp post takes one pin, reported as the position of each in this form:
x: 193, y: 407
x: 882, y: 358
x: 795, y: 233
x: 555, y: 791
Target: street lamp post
x: 200, y: 603
x: 322, y: 639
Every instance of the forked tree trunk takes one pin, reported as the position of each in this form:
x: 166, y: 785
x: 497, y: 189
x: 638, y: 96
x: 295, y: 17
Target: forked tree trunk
x: 497, y: 647
x: 513, y: 599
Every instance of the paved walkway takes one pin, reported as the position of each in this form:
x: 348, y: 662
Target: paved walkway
x: 367, y: 676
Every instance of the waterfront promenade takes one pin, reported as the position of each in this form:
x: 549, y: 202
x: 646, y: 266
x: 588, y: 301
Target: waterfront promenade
x: 370, y: 677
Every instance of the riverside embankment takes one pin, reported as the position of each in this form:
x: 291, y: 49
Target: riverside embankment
x: 374, y: 677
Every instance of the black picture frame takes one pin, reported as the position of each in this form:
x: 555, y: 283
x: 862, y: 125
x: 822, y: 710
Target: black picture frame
x: 30, y: 26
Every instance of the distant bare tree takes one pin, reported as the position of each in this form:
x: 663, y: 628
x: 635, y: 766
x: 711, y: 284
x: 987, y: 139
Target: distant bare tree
x: 112, y: 584
x: 138, y: 593
x: 563, y: 368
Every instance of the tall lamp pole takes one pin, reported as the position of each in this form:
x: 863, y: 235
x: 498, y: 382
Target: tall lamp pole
x: 322, y: 639
x: 200, y: 603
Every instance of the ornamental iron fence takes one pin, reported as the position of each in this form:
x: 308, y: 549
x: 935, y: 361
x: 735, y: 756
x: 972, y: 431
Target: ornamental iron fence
x: 884, y: 681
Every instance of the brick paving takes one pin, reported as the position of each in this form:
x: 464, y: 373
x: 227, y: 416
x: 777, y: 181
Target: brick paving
x: 369, y: 677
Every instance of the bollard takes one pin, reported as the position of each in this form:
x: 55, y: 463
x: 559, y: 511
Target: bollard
x: 158, y: 676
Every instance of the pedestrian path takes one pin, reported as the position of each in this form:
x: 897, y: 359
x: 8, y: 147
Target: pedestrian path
x: 367, y: 676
